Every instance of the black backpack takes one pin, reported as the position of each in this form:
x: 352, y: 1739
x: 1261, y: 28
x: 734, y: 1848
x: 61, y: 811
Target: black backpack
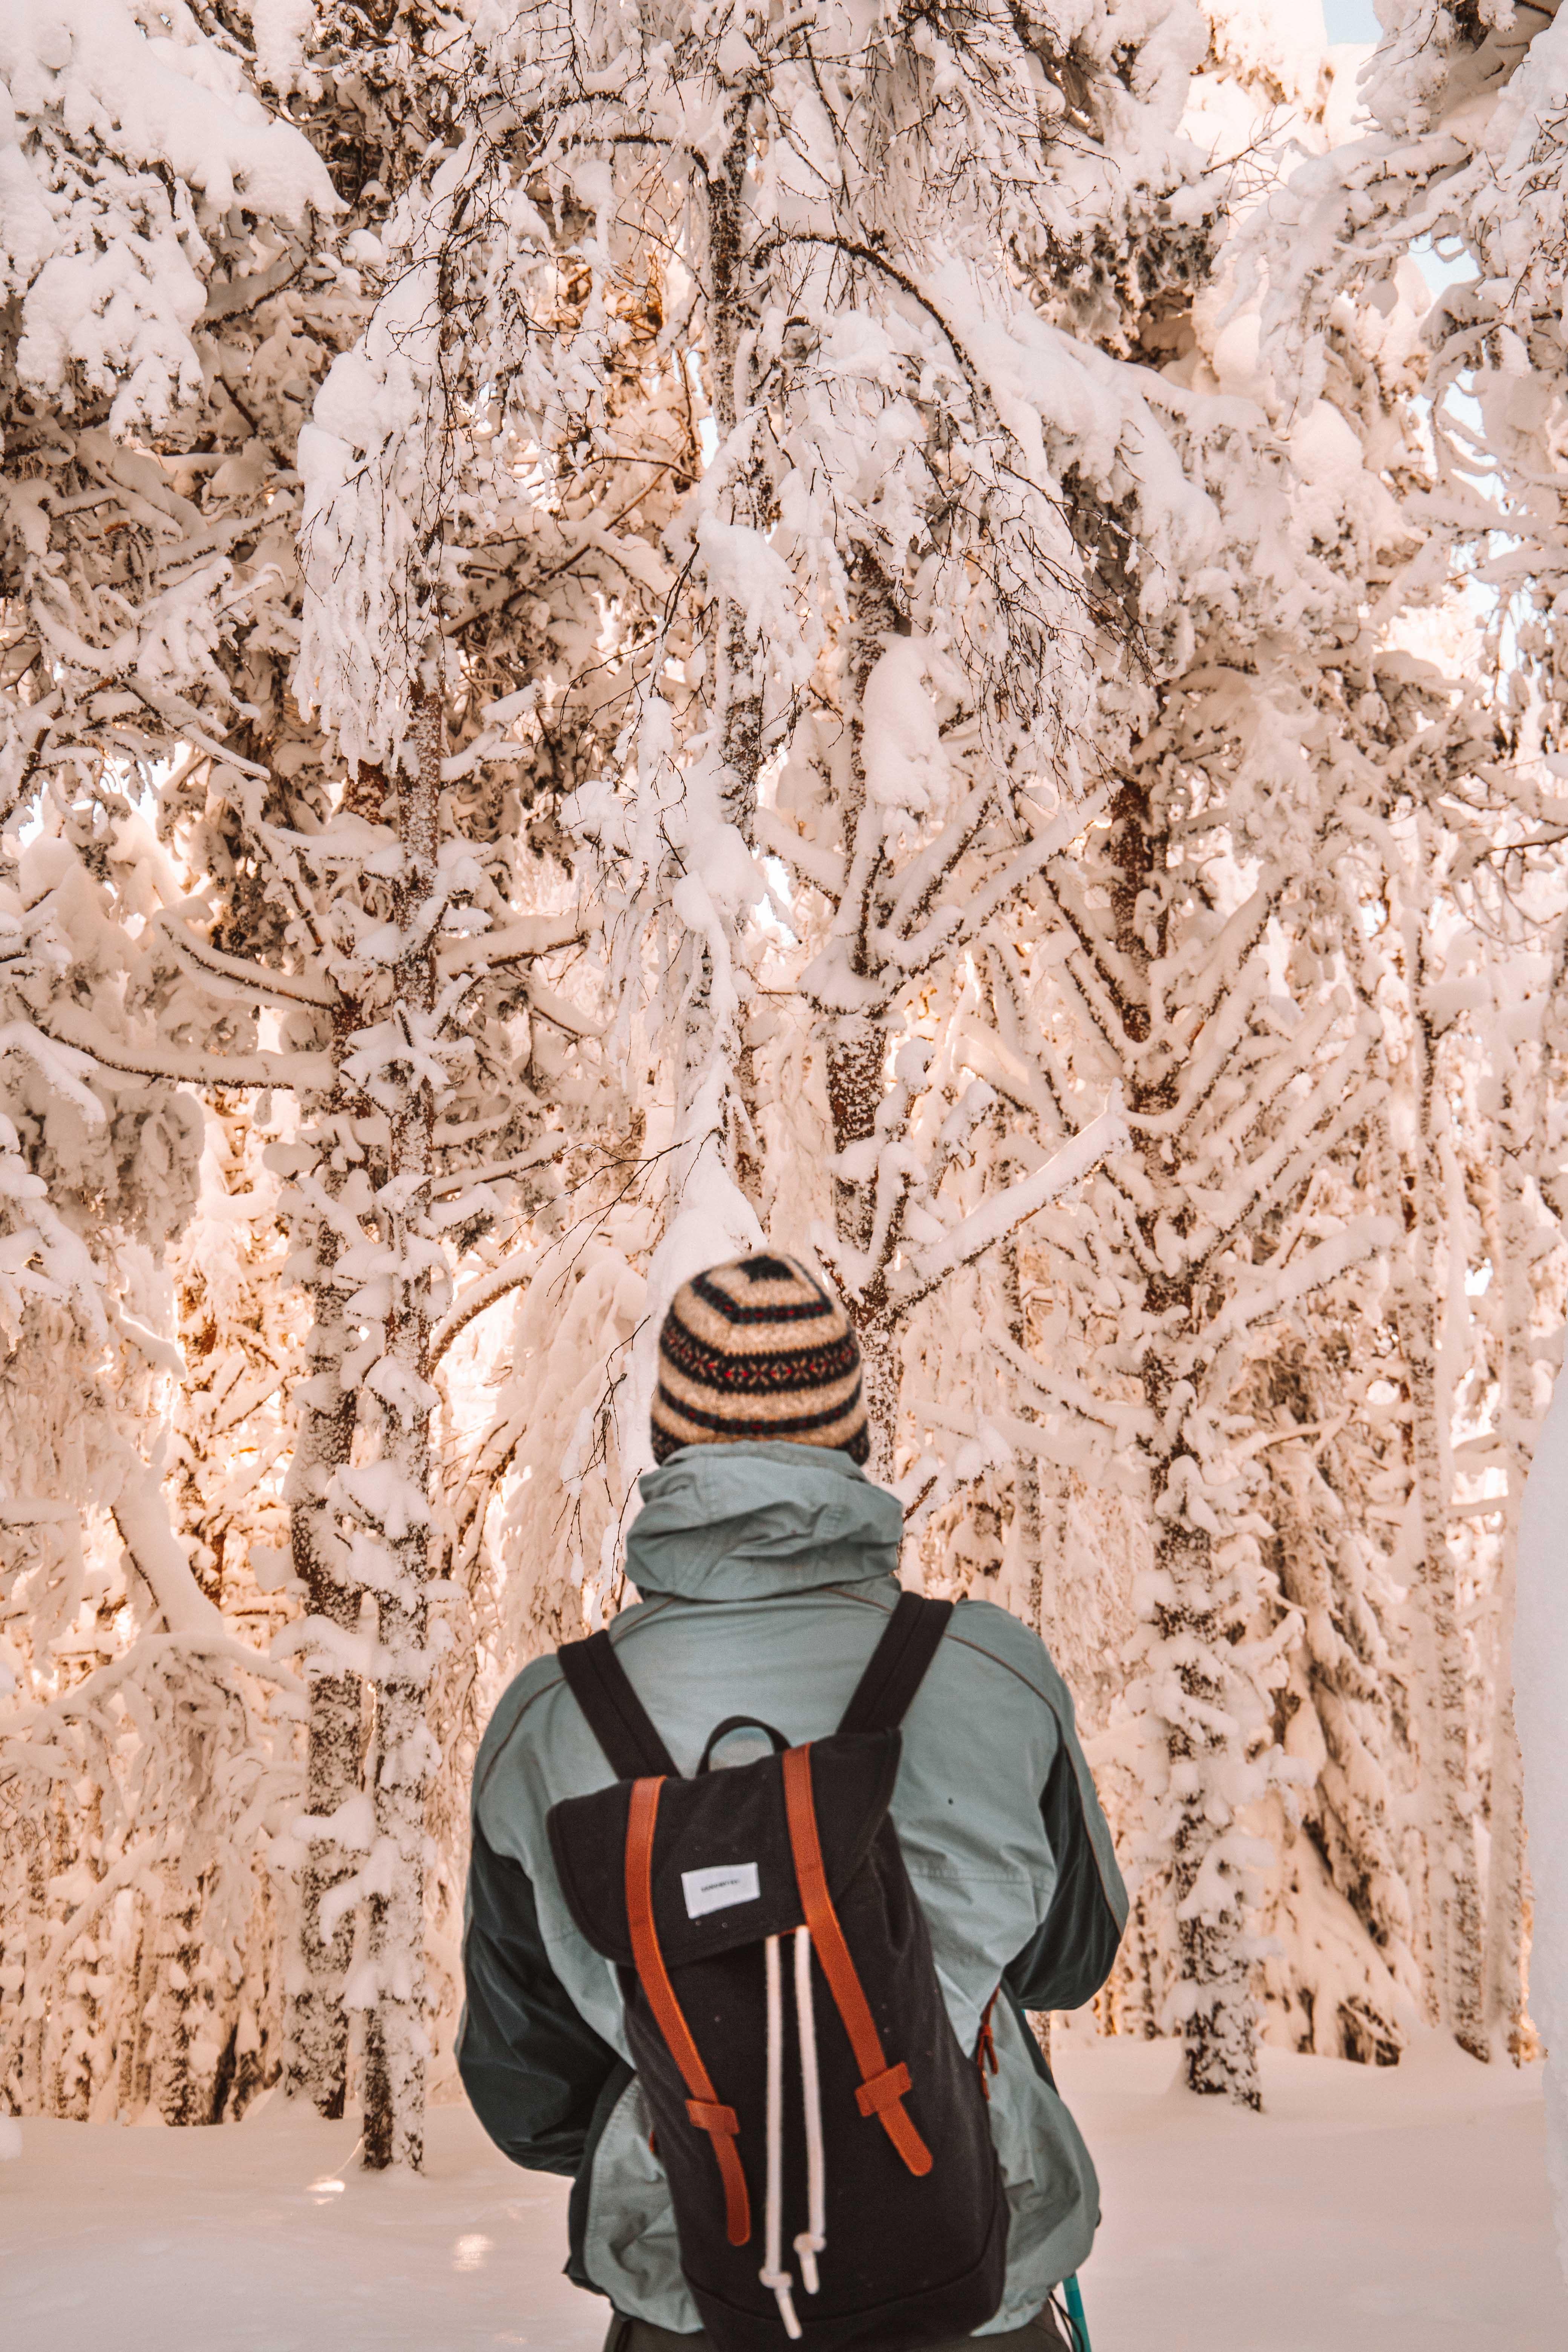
x: 848, y: 2102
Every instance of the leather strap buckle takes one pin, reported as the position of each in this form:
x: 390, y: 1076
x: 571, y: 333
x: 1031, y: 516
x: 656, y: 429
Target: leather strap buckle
x: 882, y: 2090
x: 709, y: 2117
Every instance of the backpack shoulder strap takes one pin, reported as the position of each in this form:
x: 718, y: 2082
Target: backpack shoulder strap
x: 616, y: 1717
x: 897, y: 1666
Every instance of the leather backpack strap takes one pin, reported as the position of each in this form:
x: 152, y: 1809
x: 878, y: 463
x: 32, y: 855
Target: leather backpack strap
x: 883, y: 2088
x: 616, y: 1717
x: 703, y: 2105
x: 897, y: 1666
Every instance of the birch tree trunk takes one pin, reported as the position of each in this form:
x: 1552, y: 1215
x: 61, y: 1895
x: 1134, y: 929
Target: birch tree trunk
x: 734, y: 328
x: 1191, y: 1622
x: 316, y: 2021
x: 1027, y: 1530
x: 30, y: 2060
x: 1453, y: 1875
x: 715, y: 1106
x: 1510, y: 1237
x: 1505, y: 1937
x: 1220, y: 2023
x: 404, y: 1753
x: 855, y: 1043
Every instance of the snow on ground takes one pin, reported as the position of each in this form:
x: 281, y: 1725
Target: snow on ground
x: 1400, y: 2210
x: 1368, y: 2210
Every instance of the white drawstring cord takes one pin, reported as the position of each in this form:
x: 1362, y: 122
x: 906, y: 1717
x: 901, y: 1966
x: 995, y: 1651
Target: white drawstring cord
x: 813, y: 2239
x: 772, y: 2273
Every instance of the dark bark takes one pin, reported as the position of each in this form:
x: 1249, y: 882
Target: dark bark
x: 316, y: 2031
x: 394, y: 2025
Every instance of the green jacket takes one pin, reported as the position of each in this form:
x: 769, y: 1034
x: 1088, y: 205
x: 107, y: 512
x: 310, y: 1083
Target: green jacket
x: 766, y: 1573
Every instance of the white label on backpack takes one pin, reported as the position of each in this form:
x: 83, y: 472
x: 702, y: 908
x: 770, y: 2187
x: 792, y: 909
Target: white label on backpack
x: 716, y: 1889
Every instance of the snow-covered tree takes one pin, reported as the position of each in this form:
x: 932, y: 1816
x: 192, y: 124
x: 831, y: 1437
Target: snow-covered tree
x: 1463, y: 152
x: 626, y: 631
x: 151, y: 203
x: 144, y: 1762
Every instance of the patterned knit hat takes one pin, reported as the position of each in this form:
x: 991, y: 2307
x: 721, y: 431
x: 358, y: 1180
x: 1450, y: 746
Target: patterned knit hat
x: 758, y: 1349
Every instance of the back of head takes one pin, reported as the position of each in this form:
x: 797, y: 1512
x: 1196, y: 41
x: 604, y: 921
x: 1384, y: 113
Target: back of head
x: 758, y: 1349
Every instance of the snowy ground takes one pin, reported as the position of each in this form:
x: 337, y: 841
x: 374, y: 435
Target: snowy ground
x: 1367, y: 2211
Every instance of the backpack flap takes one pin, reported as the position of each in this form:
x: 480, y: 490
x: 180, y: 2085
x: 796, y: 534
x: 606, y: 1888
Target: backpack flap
x: 724, y: 1875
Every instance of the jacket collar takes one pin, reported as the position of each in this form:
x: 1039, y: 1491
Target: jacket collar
x: 748, y: 1521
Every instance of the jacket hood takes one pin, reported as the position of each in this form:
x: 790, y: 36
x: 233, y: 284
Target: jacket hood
x: 744, y: 1522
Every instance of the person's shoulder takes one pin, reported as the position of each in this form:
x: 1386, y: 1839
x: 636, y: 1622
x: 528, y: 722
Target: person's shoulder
x: 539, y: 1676
x: 1012, y: 1648
x: 524, y: 1709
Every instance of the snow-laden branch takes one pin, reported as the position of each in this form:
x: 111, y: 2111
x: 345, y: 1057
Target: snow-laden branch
x: 484, y: 1291
x: 554, y: 1009
x: 143, y: 1518
x: 180, y: 1065
x: 62, y: 1066
x: 1257, y: 1301
x: 21, y: 1726
x: 162, y: 1353
x: 489, y: 1171
x: 523, y: 937
x: 1061, y: 1390
x: 1035, y: 855
x: 252, y: 978
x: 823, y: 869
x: 1014, y: 1204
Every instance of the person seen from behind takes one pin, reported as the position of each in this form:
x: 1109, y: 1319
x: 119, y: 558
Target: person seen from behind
x: 764, y: 1879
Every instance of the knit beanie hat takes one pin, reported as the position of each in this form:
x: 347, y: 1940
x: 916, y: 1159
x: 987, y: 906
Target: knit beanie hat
x: 758, y: 1349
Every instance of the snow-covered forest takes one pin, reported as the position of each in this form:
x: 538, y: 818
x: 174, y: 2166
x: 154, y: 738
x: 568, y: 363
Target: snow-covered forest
x: 928, y: 629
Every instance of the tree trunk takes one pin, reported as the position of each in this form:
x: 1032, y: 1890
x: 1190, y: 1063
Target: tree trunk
x: 404, y: 1751
x: 1321, y: 1574
x: 856, y: 1050
x: 1505, y: 1939
x: 130, y: 2020
x: 710, y: 987
x: 731, y: 212
x: 176, y: 2091
x: 30, y: 2083
x: 1027, y: 1530
x: 316, y: 2022
x: 1453, y: 1876
x: 1509, y: 1239
x: 1202, y: 1736
x: 855, y: 1045
x: 1220, y: 2023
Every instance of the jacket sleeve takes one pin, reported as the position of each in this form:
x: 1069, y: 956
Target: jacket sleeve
x: 1071, y: 1954
x: 532, y: 2069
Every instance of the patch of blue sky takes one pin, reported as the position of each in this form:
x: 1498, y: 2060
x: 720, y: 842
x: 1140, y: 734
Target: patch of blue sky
x: 1351, y: 20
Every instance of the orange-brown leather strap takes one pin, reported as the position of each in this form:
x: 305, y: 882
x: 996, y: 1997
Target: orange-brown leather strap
x: 883, y: 2088
x: 703, y: 2105
x: 985, y: 2048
